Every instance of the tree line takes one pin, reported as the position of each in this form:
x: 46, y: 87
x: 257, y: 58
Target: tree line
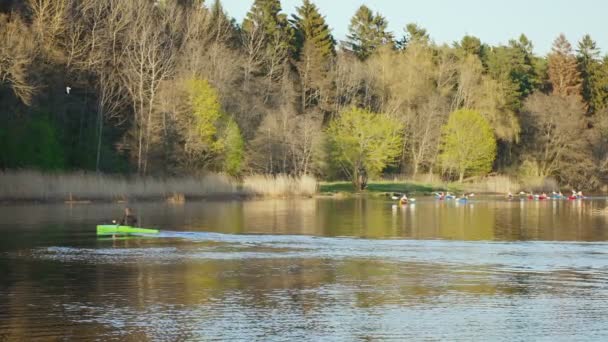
x: 172, y: 87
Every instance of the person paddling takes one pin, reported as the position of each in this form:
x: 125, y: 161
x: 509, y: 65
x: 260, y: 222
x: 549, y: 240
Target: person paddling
x: 128, y: 219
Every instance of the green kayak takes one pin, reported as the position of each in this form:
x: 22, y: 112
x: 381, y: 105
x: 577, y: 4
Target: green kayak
x: 112, y: 229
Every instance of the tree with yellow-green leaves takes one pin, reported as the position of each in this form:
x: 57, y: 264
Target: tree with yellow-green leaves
x: 363, y: 143
x: 468, y: 145
x: 211, y: 138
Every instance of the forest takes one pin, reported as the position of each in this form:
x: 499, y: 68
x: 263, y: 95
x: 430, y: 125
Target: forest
x: 179, y: 88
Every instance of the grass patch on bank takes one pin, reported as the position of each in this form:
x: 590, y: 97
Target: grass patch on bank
x: 380, y: 187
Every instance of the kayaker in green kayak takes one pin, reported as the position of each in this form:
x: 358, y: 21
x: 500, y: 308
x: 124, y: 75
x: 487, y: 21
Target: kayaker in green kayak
x: 128, y: 219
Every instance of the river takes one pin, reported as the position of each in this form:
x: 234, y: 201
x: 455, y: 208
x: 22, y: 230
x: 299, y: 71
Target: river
x: 308, y: 269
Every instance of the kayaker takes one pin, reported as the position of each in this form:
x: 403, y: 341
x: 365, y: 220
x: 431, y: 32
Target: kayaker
x: 403, y: 200
x: 128, y: 219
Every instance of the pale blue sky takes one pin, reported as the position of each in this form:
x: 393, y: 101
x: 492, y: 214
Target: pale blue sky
x: 492, y: 21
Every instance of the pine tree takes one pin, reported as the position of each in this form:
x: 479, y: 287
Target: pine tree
x: 223, y: 28
x: 512, y: 65
x: 265, y: 22
x: 563, y: 70
x: 413, y: 33
x: 315, y: 49
x: 267, y: 15
x: 600, y: 89
x: 589, y: 65
x: 310, y: 25
x: 367, y: 32
x: 525, y: 73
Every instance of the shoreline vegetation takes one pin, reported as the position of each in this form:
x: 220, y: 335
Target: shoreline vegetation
x: 429, y: 184
x: 82, y: 187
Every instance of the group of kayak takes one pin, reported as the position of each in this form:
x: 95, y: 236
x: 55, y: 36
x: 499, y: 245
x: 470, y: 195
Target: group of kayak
x: 404, y: 200
x: 444, y: 196
x: 554, y: 195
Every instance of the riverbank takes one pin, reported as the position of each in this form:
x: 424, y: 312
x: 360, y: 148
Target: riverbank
x: 33, y: 186
x: 384, y: 187
x: 498, y: 184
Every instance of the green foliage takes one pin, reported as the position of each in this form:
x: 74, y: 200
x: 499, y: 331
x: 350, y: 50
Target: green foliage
x: 233, y: 149
x: 468, y: 145
x: 364, y: 143
x: 471, y: 45
x: 414, y: 34
x: 206, y: 111
x: 316, y: 48
x: 590, y: 68
x: 512, y: 65
x: 311, y: 26
x: 213, y: 140
x: 33, y: 144
x: 599, y: 90
x: 367, y: 32
x: 277, y: 34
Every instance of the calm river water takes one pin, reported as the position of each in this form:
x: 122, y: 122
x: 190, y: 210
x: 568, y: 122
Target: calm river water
x: 308, y: 269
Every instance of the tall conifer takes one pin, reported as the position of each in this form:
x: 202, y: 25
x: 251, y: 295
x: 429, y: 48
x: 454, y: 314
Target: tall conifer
x: 315, y: 48
x: 563, y: 70
x: 367, y: 32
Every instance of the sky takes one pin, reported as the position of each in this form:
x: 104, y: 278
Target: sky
x: 493, y: 21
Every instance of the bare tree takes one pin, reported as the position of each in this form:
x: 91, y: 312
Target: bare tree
x: 148, y: 60
x: 554, y: 131
x: 17, y: 52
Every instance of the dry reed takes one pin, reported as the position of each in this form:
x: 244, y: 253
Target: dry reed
x: 493, y: 184
x: 39, y: 186
x: 34, y: 185
x: 281, y: 185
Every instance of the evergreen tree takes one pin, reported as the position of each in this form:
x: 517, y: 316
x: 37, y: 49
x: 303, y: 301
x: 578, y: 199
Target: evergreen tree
x: 588, y: 65
x: 600, y: 88
x: 311, y: 26
x: 525, y: 74
x: 512, y: 65
x: 563, y: 70
x: 267, y: 15
x: 473, y: 46
x: 266, y: 24
x: 367, y: 32
x: 413, y: 33
x: 222, y: 26
x: 315, y: 49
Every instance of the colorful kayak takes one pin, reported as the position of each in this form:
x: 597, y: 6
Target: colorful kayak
x: 112, y: 229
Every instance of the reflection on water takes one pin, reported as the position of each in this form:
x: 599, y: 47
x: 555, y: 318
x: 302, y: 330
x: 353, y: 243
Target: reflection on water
x: 313, y: 269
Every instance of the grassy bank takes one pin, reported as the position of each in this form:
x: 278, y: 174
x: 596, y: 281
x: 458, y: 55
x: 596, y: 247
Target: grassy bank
x: 409, y: 187
x: 498, y: 184
x: 49, y: 187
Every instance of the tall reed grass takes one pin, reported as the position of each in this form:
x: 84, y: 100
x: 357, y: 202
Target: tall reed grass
x: 39, y: 186
x: 34, y: 185
x: 499, y: 184
x: 278, y: 186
